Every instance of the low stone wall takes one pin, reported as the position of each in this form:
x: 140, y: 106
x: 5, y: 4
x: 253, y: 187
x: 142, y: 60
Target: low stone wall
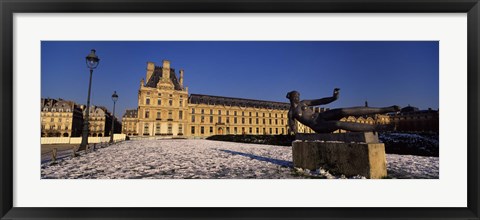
x: 78, y: 140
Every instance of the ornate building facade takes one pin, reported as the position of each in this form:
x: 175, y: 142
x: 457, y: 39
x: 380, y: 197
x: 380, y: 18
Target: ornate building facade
x: 60, y: 118
x: 100, y: 122
x: 166, y: 109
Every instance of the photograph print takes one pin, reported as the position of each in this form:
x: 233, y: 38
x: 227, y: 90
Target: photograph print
x: 239, y: 110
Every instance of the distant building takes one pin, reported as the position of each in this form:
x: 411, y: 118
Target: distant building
x: 412, y: 119
x: 100, y: 121
x: 129, y: 122
x: 60, y: 118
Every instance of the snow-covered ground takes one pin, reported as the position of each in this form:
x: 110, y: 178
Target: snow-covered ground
x: 204, y: 159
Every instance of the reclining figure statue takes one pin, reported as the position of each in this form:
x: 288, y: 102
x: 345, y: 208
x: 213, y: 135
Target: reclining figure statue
x: 329, y: 121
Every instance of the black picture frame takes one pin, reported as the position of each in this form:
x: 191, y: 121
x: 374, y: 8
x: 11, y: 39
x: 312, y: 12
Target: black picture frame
x: 9, y: 7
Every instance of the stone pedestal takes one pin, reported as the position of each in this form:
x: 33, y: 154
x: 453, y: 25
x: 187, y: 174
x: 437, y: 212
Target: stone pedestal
x: 348, y: 158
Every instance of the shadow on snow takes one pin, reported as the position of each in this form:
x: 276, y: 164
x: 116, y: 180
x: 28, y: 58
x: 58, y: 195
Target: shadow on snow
x: 283, y: 163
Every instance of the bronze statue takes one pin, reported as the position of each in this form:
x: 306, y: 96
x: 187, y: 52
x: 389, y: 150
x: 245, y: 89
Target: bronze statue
x: 328, y: 121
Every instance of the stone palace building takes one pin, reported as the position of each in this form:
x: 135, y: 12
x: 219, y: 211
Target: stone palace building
x: 165, y: 108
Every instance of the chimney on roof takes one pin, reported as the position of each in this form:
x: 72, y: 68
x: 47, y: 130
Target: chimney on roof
x: 181, y: 78
x: 166, y: 70
x: 150, y: 69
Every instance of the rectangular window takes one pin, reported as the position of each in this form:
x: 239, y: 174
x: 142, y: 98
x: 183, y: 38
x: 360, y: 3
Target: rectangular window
x: 159, y: 101
x: 234, y: 120
x: 169, y: 129
x: 60, y: 120
x: 202, y: 111
x: 283, y: 130
x: 228, y: 130
x: 257, y: 130
x: 270, y: 131
x: 281, y: 121
x: 145, y: 129
x: 180, y: 114
x: 170, y: 102
x: 170, y: 114
x: 211, y: 111
x: 219, y: 112
x: 193, y: 111
x: 147, y: 114
x: 51, y: 120
x: 202, y: 119
x: 193, y: 118
x: 157, y: 129
x: 181, y: 103
x: 180, y: 128
x: 250, y: 130
x: 270, y: 122
x: 264, y: 121
x: 158, y: 115
x: 276, y: 130
x: 243, y: 120
x: 147, y: 101
x: 228, y: 119
x: 211, y: 129
x: 276, y: 121
x: 202, y: 131
x: 256, y: 114
x: 256, y: 121
x: 250, y: 120
x: 250, y: 114
x: 264, y: 131
x: 228, y: 112
x: 211, y: 119
x: 219, y: 119
x: 235, y: 130
x: 193, y: 130
x: 243, y: 113
x: 235, y: 113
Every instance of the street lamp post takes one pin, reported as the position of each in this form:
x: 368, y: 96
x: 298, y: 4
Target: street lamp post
x: 114, y: 98
x: 92, y: 63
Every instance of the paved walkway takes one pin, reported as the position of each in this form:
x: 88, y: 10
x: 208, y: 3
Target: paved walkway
x: 203, y: 159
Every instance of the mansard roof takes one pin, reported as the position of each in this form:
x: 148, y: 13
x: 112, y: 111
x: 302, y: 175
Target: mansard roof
x: 157, y: 75
x: 130, y: 113
x: 57, y: 105
x: 229, y: 101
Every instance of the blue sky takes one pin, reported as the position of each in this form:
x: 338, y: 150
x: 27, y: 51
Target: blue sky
x: 382, y: 73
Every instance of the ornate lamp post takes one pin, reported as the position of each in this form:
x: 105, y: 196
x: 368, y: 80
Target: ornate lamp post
x: 114, y: 98
x: 92, y: 63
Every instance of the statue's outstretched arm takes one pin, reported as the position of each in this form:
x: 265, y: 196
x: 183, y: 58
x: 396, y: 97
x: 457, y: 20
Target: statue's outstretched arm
x: 323, y: 101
